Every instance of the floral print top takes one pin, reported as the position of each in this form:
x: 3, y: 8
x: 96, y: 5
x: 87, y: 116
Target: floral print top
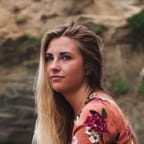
x: 101, y: 122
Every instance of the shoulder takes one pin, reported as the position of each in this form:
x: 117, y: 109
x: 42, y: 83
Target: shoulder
x: 102, y: 110
x: 101, y: 117
x: 101, y: 104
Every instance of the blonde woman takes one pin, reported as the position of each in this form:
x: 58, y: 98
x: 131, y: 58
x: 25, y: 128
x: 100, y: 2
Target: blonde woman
x: 72, y: 107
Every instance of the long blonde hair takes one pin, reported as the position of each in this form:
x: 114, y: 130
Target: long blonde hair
x: 54, y: 114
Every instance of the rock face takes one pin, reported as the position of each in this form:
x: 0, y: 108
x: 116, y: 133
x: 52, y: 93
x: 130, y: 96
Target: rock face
x: 18, y: 62
x: 21, y: 26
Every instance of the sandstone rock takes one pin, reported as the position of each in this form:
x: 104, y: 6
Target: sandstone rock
x: 18, y: 67
x: 19, y: 53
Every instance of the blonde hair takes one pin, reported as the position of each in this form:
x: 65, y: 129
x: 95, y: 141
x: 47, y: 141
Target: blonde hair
x: 45, y: 128
x: 54, y: 114
x: 53, y: 122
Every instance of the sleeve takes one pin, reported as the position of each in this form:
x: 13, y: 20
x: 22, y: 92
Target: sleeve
x: 100, y: 122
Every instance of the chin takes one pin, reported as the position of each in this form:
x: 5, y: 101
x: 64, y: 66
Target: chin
x: 59, y: 90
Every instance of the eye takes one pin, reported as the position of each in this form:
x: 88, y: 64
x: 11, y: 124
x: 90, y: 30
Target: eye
x: 48, y: 57
x: 66, y: 57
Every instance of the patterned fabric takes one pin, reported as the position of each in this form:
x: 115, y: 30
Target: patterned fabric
x: 101, y: 122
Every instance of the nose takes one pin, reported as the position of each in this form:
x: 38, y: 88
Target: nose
x: 54, y: 66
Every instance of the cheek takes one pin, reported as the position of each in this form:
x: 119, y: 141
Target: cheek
x: 47, y: 71
x: 77, y: 72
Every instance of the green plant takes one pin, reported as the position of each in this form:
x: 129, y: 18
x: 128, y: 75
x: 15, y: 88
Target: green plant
x: 136, y: 22
x: 33, y: 39
x: 141, y: 88
x: 21, y: 20
x: 99, y: 28
x: 119, y: 86
x: 28, y: 42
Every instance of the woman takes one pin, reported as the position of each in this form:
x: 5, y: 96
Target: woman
x: 72, y: 106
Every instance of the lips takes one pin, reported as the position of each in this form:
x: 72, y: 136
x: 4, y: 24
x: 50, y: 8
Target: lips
x: 56, y: 77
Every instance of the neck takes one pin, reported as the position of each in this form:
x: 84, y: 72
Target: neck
x: 77, y: 98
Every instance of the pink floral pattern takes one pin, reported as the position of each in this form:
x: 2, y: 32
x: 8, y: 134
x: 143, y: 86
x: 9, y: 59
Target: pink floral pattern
x: 96, y: 123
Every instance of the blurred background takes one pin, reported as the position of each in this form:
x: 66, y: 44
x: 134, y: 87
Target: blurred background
x: 120, y: 23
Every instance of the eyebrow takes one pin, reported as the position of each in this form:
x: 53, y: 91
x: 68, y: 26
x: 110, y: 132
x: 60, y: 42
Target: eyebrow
x: 48, y: 54
x: 61, y: 53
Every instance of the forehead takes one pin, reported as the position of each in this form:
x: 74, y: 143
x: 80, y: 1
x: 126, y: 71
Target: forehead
x: 63, y: 44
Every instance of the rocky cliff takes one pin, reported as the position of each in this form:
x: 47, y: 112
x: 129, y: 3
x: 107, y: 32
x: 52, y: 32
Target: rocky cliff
x: 21, y: 26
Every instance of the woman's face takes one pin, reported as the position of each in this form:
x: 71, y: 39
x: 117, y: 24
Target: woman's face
x: 64, y: 65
